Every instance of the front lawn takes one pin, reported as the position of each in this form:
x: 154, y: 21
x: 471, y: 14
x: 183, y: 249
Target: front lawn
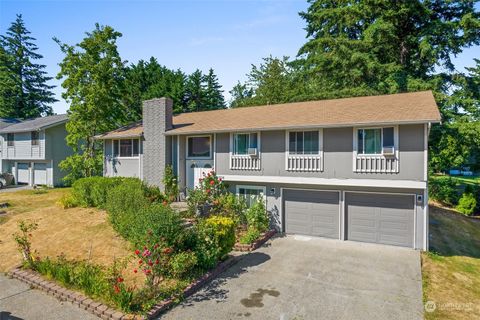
x: 451, y: 270
x: 79, y: 233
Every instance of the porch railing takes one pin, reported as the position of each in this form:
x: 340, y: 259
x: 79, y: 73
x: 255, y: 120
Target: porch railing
x: 307, y: 163
x: 376, y: 164
x: 245, y: 163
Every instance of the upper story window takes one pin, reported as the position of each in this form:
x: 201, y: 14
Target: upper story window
x: 35, y: 137
x: 375, y: 140
x: 303, y: 142
x: 125, y: 148
x: 10, y: 139
x: 242, y: 142
x: 199, y: 147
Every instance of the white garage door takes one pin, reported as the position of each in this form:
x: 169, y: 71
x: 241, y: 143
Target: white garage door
x: 40, y: 173
x: 313, y: 213
x: 23, y: 175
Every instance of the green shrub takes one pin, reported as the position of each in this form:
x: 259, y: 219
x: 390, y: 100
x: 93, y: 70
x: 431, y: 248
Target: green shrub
x: 257, y: 216
x: 216, y: 237
x: 67, y: 201
x: 196, y: 199
x: 467, y: 204
x: 93, y: 191
x: 232, y: 206
x: 182, y: 264
x: 171, y: 184
x: 443, y: 189
x: 250, y: 236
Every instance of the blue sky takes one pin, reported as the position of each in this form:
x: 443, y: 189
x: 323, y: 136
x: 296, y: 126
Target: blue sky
x: 226, y: 35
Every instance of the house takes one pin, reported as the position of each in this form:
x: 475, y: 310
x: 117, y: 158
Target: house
x: 349, y: 169
x: 32, y: 149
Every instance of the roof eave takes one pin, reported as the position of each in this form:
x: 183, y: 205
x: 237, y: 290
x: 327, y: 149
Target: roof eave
x: 343, y: 125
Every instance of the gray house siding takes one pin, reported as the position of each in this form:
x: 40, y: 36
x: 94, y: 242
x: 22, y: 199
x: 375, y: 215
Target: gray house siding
x: 56, y: 150
x: 275, y: 205
x: 122, y: 167
x: 22, y: 148
x: 338, y: 155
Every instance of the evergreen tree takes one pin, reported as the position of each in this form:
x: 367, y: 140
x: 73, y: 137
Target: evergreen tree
x: 94, y: 79
x: 213, y: 92
x: 23, y: 83
x: 241, y: 95
x: 385, y: 46
x: 195, y: 92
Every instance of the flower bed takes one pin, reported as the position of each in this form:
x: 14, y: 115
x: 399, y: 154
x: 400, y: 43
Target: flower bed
x: 103, y: 311
x: 245, y: 247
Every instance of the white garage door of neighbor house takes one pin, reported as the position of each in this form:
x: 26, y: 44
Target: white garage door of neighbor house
x: 40, y: 173
x: 23, y: 175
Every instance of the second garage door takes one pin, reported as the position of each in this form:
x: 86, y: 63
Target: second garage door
x: 40, y: 173
x: 23, y: 174
x: 314, y: 213
x: 380, y: 218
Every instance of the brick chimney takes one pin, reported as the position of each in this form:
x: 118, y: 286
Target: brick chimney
x: 157, y: 118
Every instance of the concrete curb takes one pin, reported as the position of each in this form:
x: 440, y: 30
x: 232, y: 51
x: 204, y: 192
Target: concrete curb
x: 257, y: 244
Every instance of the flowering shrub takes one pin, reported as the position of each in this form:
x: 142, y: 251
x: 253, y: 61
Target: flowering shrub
x: 232, y: 206
x: 216, y: 237
x: 250, y: 236
x: 23, y: 241
x: 212, y: 186
x: 257, y: 216
x: 171, y: 184
x: 182, y: 264
x: 154, y: 261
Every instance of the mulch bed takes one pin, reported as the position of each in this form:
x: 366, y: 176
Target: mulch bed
x: 253, y: 246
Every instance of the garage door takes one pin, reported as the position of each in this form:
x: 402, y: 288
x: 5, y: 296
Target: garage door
x: 380, y: 218
x: 313, y: 213
x: 40, y: 173
x: 23, y: 175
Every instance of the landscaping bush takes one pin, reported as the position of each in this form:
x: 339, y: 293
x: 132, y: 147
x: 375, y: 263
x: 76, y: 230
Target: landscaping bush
x: 250, y: 236
x: 232, y: 206
x: 443, y: 189
x: 216, y: 237
x: 182, y: 264
x: 93, y: 191
x: 196, y: 199
x: 171, y: 184
x: 257, y: 216
x: 467, y: 204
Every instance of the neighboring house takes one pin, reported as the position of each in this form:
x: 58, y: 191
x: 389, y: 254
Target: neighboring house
x: 350, y: 169
x: 32, y: 149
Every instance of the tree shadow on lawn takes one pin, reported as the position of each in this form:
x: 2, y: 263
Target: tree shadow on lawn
x: 453, y: 234
x: 214, y: 290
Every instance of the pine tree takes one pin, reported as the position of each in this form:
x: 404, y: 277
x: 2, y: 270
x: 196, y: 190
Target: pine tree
x: 24, y: 89
x: 195, y: 92
x: 213, y: 92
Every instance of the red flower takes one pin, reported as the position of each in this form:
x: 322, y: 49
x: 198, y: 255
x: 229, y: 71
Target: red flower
x: 147, y: 271
x: 140, y: 261
x: 208, y: 190
x: 150, y: 263
x: 220, y: 179
x: 137, y: 252
x: 212, y: 182
x: 116, y: 288
x: 120, y: 280
x: 155, y: 246
x: 135, y: 270
x: 156, y: 261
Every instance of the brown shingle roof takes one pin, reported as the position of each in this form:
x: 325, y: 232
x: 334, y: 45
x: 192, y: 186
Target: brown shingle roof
x: 132, y: 130
x: 417, y: 107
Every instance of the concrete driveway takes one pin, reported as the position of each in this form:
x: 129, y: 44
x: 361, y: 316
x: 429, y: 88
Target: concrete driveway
x: 311, y: 278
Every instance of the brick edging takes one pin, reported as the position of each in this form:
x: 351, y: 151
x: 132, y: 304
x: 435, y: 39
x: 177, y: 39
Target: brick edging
x: 36, y: 280
x: 253, y: 246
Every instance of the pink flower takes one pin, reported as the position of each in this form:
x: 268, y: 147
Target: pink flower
x: 146, y: 253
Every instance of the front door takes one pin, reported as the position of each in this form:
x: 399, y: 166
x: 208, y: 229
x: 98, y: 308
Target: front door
x: 195, y: 171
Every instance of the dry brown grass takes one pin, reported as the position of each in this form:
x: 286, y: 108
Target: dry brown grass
x: 79, y: 233
x: 451, y: 271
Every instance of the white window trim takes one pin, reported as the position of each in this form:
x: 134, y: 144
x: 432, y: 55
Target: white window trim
x: 320, y: 147
x: 355, y: 142
x: 261, y: 188
x: 355, y: 145
x: 119, y: 157
x: 199, y: 158
x: 232, y: 143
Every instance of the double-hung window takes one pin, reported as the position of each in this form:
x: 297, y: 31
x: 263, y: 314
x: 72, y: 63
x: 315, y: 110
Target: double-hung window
x: 10, y: 139
x: 244, y: 141
x: 303, y: 142
x: 125, y: 148
x: 251, y: 194
x: 373, y: 141
x: 34, y: 135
